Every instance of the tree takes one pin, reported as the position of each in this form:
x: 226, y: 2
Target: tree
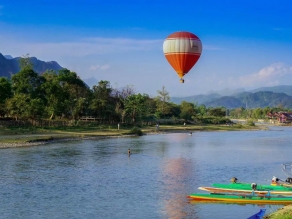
x: 102, y: 103
x: 5, y: 93
x: 16, y: 105
x: 27, y: 81
x: 76, y: 92
x: 119, y: 96
x: 135, y: 106
x: 187, y: 110
x: 175, y: 110
x: 27, y: 88
x: 161, y: 101
x: 201, y: 110
x: 56, y: 97
x: 25, y: 62
x: 258, y: 113
x: 217, y: 112
x: 24, y: 107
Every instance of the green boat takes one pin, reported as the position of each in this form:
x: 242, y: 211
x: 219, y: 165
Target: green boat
x: 245, y: 191
x: 241, y: 198
x: 254, y: 186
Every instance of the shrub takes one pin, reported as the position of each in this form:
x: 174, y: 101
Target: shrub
x: 238, y: 125
x: 250, y: 123
x: 136, y: 131
x: 212, y: 120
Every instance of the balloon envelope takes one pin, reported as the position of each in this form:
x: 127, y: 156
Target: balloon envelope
x: 182, y: 50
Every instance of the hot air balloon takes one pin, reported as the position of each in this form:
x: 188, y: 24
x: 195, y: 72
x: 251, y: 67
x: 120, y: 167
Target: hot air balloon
x: 182, y: 50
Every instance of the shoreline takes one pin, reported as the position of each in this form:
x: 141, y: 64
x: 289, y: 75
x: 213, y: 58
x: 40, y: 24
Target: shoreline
x: 49, y: 138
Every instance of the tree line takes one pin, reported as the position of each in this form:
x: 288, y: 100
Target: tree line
x: 62, y: 95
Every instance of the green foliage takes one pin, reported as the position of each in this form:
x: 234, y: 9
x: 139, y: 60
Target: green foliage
x: 250, y: 123
x: 5, y: 89
x: 217, y: 112
x: 63, y: 95
x: 187, y: 110
x: 56, y: 96
x: 162, y: 100
x: 102, y: 103
x: 27, y: 81
x: 213, y: 120
x: 25, y: 62
x: 136, y: 131
x: 238, y: 125
x: 5, y: 94
x: 135, y: 106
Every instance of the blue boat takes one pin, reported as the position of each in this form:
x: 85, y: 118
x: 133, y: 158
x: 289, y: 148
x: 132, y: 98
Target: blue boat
x: 258, y: 215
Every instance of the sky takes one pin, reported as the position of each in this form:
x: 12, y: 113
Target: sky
x: 246, y: 44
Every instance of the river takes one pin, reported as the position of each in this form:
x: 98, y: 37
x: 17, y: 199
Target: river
x: 97, y: 178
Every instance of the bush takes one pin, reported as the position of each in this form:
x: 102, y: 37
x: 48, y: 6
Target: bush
x: 136, y: 131
x: 238, y: 125
x: 250, y: 123
x: 212, y: 120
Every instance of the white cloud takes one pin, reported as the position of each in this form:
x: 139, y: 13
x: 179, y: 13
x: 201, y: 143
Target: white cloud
x: 269, y: 75
x: 83, y: 47
x: 99, y: 67
x: 272, y: 75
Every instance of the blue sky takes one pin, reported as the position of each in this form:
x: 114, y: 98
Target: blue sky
x: 246, y: 44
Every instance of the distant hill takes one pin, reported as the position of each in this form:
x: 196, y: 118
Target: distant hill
x: 196, y: 98
x: 260, y: 97
x: 286, y: 89
x: 10, y: 65
x: 227, y: 92
x: 226, y: 101
x: 8, y: 56
x: 253, y: 100
x: 90, y: 81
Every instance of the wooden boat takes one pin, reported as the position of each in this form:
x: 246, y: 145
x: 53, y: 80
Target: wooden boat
x: 242, y: 198
x: 248, y: 186
x: 246, y: 191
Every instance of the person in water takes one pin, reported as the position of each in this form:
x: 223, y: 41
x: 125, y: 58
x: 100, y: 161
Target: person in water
x: 129, y: 152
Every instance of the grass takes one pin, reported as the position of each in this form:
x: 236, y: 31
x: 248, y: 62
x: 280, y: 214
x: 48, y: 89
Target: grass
x: 283, y: 213
x: 18, y: 134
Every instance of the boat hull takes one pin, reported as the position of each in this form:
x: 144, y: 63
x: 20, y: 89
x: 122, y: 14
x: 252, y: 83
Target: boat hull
x: 242, y: 198
x: 242, y: 191
x: 248, y: 186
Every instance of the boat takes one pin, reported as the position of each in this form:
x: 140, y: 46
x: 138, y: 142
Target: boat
x: 276, y: 185
x: 245, y: 191
x: 254, y: 186
x: 241, y: 198
x: 258, y: 215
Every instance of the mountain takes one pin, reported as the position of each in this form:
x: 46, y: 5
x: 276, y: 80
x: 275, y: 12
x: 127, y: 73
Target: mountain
x: 259, y: 99
x: 196, y: 98
x: 227, y: 91
x: 8, y: 56
x: 287, y: 89
x: 11, y: 66
x: 226, y: 101
x: 90, y: 81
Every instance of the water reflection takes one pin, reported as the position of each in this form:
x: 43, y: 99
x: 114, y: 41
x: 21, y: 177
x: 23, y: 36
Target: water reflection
x: 175, y: 177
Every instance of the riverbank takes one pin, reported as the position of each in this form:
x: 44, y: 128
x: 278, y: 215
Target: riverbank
x: 282, y: 213
x: 24, y: 137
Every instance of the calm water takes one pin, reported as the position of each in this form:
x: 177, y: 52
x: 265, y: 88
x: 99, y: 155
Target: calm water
x: 97, y: 179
